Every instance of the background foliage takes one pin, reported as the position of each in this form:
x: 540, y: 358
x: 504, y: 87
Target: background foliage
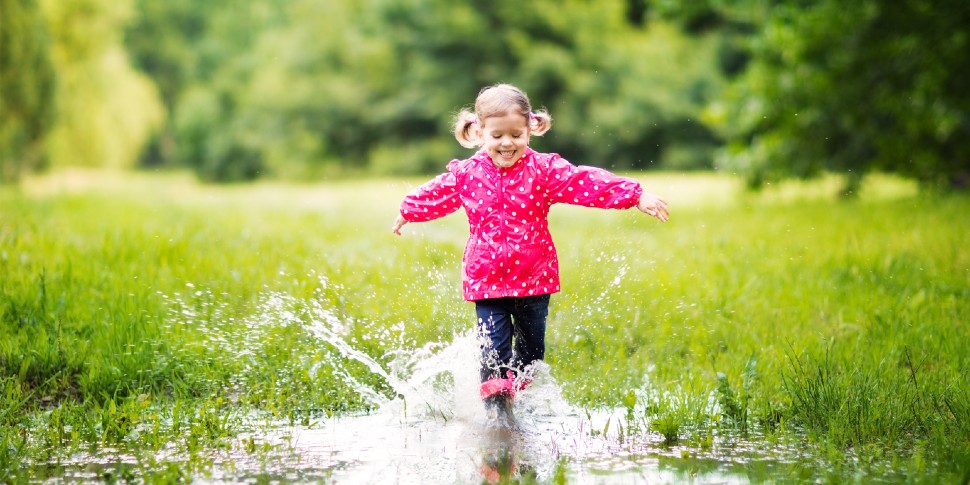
x: 26, y: 87
x: 311, y: 88
x: 853, y: 87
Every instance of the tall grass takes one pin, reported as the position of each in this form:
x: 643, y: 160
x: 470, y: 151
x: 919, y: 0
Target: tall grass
x: 132, y: 303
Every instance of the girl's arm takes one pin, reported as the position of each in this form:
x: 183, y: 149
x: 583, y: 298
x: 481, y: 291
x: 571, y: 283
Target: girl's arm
x: 436, y: 198
x: 589, y: 186
x: 596, y: 187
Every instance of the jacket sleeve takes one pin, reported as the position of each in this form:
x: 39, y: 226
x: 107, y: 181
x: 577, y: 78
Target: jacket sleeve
x: 589, y: 186
x: 435, y: 198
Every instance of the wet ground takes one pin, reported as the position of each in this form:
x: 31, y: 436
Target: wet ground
x: 437, y: 431
x: 550, y: 442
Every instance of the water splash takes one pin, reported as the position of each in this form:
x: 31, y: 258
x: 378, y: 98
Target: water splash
x: 423, y: 379
x: 432, y: 427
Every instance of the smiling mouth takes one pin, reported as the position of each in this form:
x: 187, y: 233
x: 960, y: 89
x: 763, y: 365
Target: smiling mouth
x: 507, y: 153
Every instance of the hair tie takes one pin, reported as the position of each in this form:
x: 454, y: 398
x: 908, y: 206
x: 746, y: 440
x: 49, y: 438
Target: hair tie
x: 533, y: 116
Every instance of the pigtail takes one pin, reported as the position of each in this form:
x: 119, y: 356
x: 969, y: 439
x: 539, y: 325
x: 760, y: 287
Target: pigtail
x: 539, y: 122
x: 465, y: 123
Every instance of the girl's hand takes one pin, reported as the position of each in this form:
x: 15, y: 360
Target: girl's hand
x: 654, y: 205
x: 398, y: 224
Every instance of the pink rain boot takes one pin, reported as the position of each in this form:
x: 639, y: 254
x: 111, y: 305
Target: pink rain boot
x: 507, y: 386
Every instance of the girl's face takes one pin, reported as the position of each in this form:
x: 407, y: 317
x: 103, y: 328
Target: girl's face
x: 505, y: 138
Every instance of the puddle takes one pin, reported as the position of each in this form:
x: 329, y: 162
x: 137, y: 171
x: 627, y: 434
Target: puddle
x: 436, y: 430
x: 552, y: 442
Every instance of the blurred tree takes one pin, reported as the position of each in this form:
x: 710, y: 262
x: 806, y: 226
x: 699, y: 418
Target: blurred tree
x: 627, y: 99
x: 26, y: 88
x: 105, y: 110
x: 315, y: 87
x: 215, y: 131
x: 733, y: 23
x: 186, y: 47
x: 853, y: 87
x: 693, y: 15
x: 163, y: 39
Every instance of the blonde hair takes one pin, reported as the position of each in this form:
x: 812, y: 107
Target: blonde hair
x: 496, y: 100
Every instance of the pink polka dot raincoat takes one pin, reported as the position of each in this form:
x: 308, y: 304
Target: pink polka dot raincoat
x: 509, y: 250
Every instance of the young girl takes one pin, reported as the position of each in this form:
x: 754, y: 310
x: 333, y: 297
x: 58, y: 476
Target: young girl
x: 509, y: 265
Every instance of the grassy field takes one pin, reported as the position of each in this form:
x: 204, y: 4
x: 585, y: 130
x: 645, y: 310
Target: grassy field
x: 127, y: 304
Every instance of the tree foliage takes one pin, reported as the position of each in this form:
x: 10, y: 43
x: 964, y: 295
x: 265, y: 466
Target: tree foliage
x: 105, y: 110
x: 312, y: 88
x: 853, y: 87
x: 316, y: 87
x: 26, y: 88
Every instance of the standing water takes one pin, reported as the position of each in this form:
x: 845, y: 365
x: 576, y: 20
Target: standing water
x: 435, y: 429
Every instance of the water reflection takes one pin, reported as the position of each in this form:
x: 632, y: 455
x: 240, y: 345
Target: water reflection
x: 498, y: 454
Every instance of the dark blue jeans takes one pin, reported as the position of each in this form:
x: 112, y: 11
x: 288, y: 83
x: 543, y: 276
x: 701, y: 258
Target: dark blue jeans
x: 512, y: 333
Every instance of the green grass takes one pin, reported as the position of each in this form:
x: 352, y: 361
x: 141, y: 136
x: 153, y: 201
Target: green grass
x: 125, y: 301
